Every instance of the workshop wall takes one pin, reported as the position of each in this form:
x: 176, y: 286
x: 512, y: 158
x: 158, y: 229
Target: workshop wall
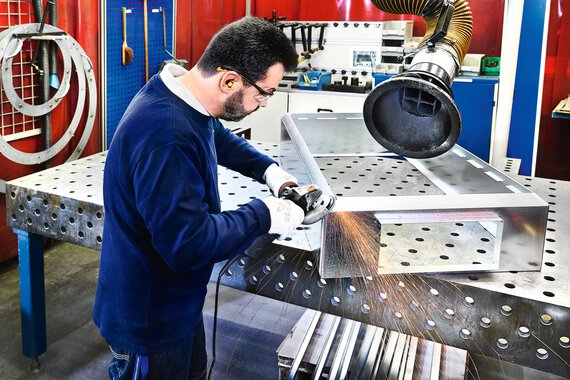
x: 79, y: 18
x: 554, y: 135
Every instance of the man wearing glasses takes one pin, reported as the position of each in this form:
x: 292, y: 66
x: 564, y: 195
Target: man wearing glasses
x: 164, y: 229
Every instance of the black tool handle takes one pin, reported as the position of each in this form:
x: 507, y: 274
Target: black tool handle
x: 303, y: 37
x: 310, y: 37
x: 322, y: 36
x: 260, y: 245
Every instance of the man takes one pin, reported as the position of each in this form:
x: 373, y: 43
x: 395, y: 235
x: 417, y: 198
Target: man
x: 163, y: 226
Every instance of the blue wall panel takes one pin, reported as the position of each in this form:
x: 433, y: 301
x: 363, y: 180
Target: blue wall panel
x: 523, y: 117
x: 123, y: 82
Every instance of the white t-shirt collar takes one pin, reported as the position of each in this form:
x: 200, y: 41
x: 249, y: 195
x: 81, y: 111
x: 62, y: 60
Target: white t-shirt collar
x: 168, y: 76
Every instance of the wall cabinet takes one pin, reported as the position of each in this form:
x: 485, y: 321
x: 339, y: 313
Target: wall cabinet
x: 475, y: 98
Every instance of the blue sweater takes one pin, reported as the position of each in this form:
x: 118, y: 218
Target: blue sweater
x: 163, y: 226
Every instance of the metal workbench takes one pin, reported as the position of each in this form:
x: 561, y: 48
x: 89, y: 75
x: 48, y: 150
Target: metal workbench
x: 519, y: 317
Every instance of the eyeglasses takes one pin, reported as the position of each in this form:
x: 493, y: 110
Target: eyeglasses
x: 262, y: 96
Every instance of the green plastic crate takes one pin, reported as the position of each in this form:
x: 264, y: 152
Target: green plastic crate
x: 491, y: 66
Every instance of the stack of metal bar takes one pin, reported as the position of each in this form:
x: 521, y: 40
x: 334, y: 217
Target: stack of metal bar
x: 326, y: 346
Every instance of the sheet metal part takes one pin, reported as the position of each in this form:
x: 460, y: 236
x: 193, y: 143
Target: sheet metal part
x: 471, y: 188
x: 478, y: 312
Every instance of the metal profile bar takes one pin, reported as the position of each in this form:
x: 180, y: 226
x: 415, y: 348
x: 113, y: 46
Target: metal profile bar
x: 403, y: 359
x: 436, y: 362
x: 339, y: 355
x: 364, y: 352
x: 305, y: 343
x: 411, y: 359
x: 376, y: 348
x: 389, y: 355
x: 317, y: 373
x: 349, y: 350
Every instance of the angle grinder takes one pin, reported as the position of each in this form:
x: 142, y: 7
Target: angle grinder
x: 310, y: 199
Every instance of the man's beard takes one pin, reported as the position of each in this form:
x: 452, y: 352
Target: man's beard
x: 234, y: 109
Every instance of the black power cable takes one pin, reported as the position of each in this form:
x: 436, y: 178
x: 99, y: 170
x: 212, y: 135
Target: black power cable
x: 228, y: 264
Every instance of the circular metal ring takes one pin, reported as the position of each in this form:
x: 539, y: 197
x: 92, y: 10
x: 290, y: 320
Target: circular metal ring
x: 79, y: 58
x: 17, y: 102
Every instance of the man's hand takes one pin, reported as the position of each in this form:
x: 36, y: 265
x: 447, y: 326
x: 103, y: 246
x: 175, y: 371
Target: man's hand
x: 285, y: 216
x: 277, y: 179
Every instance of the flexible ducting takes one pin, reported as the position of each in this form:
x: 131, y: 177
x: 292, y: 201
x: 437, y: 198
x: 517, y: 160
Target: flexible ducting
x: 413, y: 114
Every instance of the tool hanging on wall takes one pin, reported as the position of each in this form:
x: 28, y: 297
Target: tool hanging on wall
x: 126, y: 52
x: 53, y: 77
x: 145, y: 22
x: 180, y: 62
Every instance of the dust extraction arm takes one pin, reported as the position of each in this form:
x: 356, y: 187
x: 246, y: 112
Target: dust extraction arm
x: 413, y: 114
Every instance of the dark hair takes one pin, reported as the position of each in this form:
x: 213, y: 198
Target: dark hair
x: 250, y: 46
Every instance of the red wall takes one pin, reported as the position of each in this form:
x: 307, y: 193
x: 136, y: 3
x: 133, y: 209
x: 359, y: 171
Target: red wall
x: 197, y: 21
x: 79, y: 18
x: 554, y: 135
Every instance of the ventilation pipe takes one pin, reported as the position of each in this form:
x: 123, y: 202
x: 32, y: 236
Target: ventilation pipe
x: 413, y: 114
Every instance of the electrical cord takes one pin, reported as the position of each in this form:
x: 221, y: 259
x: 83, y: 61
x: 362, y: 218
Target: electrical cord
x: 228, y: 264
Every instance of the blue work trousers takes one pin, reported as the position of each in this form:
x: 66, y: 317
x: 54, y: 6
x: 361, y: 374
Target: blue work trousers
x: 186, y: 361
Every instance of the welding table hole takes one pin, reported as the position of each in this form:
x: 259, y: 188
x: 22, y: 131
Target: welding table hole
x: 473, y: 278
x: 99, y: 239
x: 307, y: 293
x: 510, y: 286
x: 413, y: 250
x: 45, y: 202
x: 454, y: 234
x: 485, y: 322
x: 37, y: 212
x: 382, y: 297
x: 506, y: 310
x: 391, y: 234
x: 46, y: 225
x: 398, y: 315
x: 549, y: 264
x: 548, y: 294
x: 502, y: 343
x: 63, y: 230
x: 29, y: 198
x: 80, y: 211
x: 53, y: 216
x: 98, y: 215
x: 335, y: 301
x: 322, y: 283
x: 549, y: 278
x: 419, y: 239
x: 523, y: 332
x: 81, y: 234
x: 444, y: 257
x: 465, y: 334
x: 541, y: 353
x: 89, y: 225
x: 14, y: 217
x: 449, y: 313
x: 468, y: 301
x: 564, y: 341
x: 485, y: 240
x: 253, y: 280
x: 550, y: 251
x: 365, y: 308
x: 450, y: 245
x: 405, y: 264
x: 425, y: 229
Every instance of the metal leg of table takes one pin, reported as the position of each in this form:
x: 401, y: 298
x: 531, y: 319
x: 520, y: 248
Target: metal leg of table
x: 32, y: 294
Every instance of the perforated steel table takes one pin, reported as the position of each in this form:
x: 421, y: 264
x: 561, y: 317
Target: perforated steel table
x: 520, y: 317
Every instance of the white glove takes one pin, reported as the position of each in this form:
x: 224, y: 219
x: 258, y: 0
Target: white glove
x: 285, y: 216
x: 277, y: 178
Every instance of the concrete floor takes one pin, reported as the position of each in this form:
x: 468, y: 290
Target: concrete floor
x: 250, y: 328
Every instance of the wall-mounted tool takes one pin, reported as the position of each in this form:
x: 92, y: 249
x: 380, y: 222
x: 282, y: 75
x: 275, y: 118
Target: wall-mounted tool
x: 126, y: 52
x: 145, y: 23
x: 180, y: 62
x: 53, y: 78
